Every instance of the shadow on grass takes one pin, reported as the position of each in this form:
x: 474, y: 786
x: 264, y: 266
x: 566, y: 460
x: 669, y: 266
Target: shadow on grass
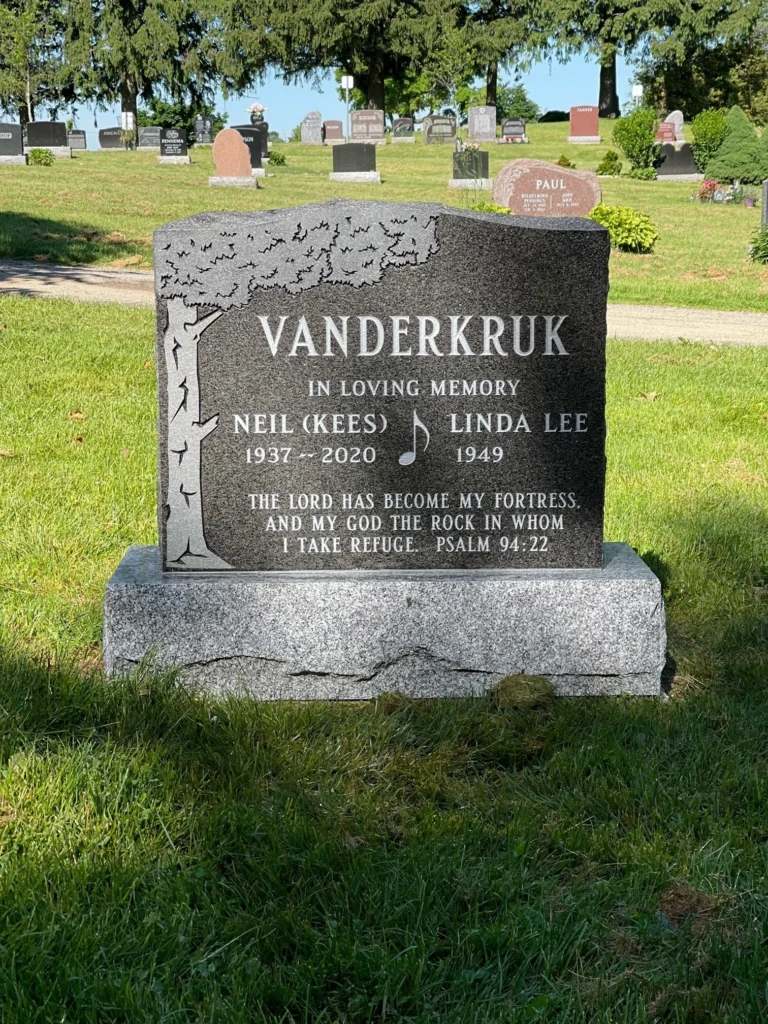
x: 71, y: 242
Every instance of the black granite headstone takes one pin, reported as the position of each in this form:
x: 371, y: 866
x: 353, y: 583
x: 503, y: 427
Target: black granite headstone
x: 470, y: 163
x: 173, y: 142
x: 676, y: 158
x: 354, y: 158
x: 46, y: 134
x: 359, y: 385
x: 11, y: 142
x: 149, y: 137
x: 110, y: 138
x: 204, y: 131
x: 252, y: 138
x: 77, y: 139
x: 263, y: 130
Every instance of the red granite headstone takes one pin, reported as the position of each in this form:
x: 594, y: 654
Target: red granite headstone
x: 231, y: 155
x: 584, y: 123
x: 666, y: 132
x: 536, y: 188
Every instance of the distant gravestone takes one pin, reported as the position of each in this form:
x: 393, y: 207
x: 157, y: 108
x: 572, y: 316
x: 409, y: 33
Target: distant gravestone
x: 11, y: 144
x: 111, y: 138
x: 368, y: 126
x: 676, y: 160
x: 251, y: 136
x: 355, y: 162
x: 48, y: 135
x: 76, y: 139
x: 538, y: 189
x: 333, y: 133
x: 482, y: 124
x: 438, y: 128
x: 347, y: 388
x: 312, y: 129
x: 402, y: 130
x: 666, y: 132
x: 584, y: 126
x: 232, y: 159
x: 149, y: 137
x: 173, y: 146
x: 203, y: 131
x: 513, y: 130
x: 676, y: 118
x: 470, y: 170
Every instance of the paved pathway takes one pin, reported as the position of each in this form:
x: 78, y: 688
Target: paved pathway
x: 136, y: 288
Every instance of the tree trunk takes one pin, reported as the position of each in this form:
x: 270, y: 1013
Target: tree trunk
x: 129, y: 96
x: 609, y: 98
x: 29, y: 114
x: 185, y: 545
x: 374, y: 92
x: 491, y: 84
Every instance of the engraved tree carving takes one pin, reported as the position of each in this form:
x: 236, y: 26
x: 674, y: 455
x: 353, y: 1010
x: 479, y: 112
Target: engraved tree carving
x: 209, y: 264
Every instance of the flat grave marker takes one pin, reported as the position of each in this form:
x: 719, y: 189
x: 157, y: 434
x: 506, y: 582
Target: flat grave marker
x: 538, y: 189
x: 382, y: 460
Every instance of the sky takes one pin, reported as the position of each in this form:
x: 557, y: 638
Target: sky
x: 553, y: 86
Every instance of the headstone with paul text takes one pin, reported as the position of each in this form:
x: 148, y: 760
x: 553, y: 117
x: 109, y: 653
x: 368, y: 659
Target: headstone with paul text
x: 232, y: 159
x: 312, y: 129
x: 368, y: 126
x: 173, y: 146
x: 11, y: 144
x: 48, y: 135
x: 584, y: 126
x: 482, y: 124
x: 535, y: 188
x: 382, y: 460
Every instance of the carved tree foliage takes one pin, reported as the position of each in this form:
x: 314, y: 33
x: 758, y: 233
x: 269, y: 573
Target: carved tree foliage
x: 215, y: 263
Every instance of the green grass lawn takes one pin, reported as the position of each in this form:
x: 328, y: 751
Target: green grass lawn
x: 102, y: 208
x: 165, y: 857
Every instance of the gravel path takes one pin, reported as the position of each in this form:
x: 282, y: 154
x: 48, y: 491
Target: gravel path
x: 136, y: 288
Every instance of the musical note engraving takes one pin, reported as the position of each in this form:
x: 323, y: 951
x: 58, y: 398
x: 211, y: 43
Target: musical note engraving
x: 408, y: 458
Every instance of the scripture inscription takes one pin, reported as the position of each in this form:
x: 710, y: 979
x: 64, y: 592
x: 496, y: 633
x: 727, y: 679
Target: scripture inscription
x: 347, y: 386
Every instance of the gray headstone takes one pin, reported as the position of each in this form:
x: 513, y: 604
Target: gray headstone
x: 482, y: 124
x: 203, y: 131
x: 46, y: 134
x: 11, y: 142
x: 312, y: 129
x: 367, y: 124
x: 149, y: 137
x: 349, y: 386
x: 173, y: 142
x: 110, y: 138
x: 677, y: 119
x: 76, y: 139
x: 438, y: 128
x: 513, y: 128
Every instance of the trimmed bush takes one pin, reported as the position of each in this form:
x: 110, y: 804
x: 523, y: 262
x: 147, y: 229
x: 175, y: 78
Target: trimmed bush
x: 565, y: 162
x: 642, y: 173
x: 741, y: 157
x: 635, y: 135
x: 758, y: 249
x: 490, y: 208
x: 630, y: 231
x: 708, y: 129
x: 41, y: 157
x: 610, y: 165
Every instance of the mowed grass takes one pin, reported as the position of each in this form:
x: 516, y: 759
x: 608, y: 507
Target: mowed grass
x: 165, y: 857
x: 103, y: 207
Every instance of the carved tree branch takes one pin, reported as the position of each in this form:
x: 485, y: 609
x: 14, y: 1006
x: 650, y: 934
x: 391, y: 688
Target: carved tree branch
x: 185, y: 539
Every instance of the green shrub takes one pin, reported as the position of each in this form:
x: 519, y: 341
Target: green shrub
x: 565, y: 162
x: 635, y: 135
x: 741, y: 157
x: 610, y: 165
x: 708, y: 129
x: 490, y: 208
x: 276, y: 158
x: 552, y: 116
x: 758, y: 249
x: 630, y: 231
x: 642, y: 173
x: 42, y: 157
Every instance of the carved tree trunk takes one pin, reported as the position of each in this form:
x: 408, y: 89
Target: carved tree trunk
x: 184, y: 537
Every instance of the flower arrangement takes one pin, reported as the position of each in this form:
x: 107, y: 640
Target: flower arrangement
x: 711, y: 191
x: 256, y: 108
x: 471, y: 147
x: 706, y: 190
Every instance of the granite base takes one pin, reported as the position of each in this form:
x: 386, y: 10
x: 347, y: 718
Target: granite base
x: 472, y: 183
x: 60, y: 152
x: 352, y: 635
x: 173, y: 160
x: 18, y: 159
x: 402, y: 141
x: 258, y: 172
x: 334, y: 142
x: 370, y: 142
x: 361, y: 177
x: 222, y: 182
x: 147, y: 149
x: 584, y: 140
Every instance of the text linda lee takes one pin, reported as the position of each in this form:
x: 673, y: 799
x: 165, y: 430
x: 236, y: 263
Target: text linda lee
x: 430, y: 336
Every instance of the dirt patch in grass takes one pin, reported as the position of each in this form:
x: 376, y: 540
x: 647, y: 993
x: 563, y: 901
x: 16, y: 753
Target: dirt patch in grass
x: 682, y: 902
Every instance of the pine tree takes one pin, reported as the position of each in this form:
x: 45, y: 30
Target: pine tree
x: 31, y: 68
x: 741, y: 157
